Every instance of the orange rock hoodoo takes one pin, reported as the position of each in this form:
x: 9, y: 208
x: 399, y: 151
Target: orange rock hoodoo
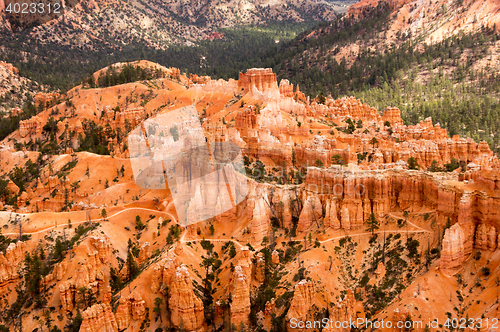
x: 32, y: 126
x: 303, y: 299
x: 131, y: 308
x: 185, y: 307
x: 98, y: 318
x: 240, y: 300
x: 9, y: 262
x: 260, y: 78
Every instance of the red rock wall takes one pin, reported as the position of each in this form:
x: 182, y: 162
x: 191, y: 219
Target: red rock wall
x: 261, y: 78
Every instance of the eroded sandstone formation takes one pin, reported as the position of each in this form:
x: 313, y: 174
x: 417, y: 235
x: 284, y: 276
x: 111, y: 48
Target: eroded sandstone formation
x: 303, y: 299
x: 486, y: 237
x: 260, y: 221
x: 260, y: 266
x: 345, y: 310
x: 32, y: 126
x: 244, y: 261
x: 185, y: 307
x: 130, y: 308
x: 240, y: 304
x: 164, y: 272
x: 311, y: 213
x: 9, y: 262
x: 89, y: 276
x: 99, y: 318
x: 260, y: 78
x: 102, y: 245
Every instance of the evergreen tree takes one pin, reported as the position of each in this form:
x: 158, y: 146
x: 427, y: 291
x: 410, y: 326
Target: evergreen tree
x: 372, y: 223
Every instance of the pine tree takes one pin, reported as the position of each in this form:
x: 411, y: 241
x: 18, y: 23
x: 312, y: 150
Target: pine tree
x: 372, y: 223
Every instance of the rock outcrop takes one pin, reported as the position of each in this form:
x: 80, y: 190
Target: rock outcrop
x: 102, y: 245
x: 131, y: 308
x: 90, y: 276
x: 457, y: 246
x: 67, y: 295
x: 240, y: 304
x: 32, y: 126
x: 345, y: 310
x: 244, y: 260
x: 185, y: 307
x: 144, y: 252
x: 10, y: 261
x: 260, y: 78
x: 275, y: 257
x: 486, y: 237
x: 311, y: 213
x: 99, y: 318
x: 260, y: 221
x: 164, y: 272
x: 260, y: 267
x: 303, y: 299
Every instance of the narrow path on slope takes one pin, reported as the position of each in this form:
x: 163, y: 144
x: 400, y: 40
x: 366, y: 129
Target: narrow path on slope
x: 213, y: 240
x: 98, y: 219
x: 391, y: 214
x: 183, y: 240
x: 367, y: 233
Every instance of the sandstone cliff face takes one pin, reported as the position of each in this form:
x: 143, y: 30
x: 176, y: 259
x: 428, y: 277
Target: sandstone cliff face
x: 144, y: 253
x: 32, y: 126
x: 331, y: 214
x: 240, y: 305
x: 67, y: 295
x: 303, y: 299
x: 57, y: 274
x: 185, y: 307
x: 311, y: 213
x: 260, y: 221
x: 282, y: 200
x: 99, y: 318
x: 260, y: 78
x: 486, y: 237
x: 457, y: 246
x: 91, y: 272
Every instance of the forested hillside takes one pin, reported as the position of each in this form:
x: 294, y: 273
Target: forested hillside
x: 62, y: 67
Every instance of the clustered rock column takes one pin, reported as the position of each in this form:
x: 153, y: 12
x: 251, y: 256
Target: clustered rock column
x: 99, y: 318
x: 303, y: 299
x: 240, y: 305
x: 185, y: 307
x: 132, y: 307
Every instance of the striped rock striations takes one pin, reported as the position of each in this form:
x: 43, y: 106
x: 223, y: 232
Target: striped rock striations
x: 99, y: 318
x: 240, y: 299
x: 303, y: 299
x: 185, y: 307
